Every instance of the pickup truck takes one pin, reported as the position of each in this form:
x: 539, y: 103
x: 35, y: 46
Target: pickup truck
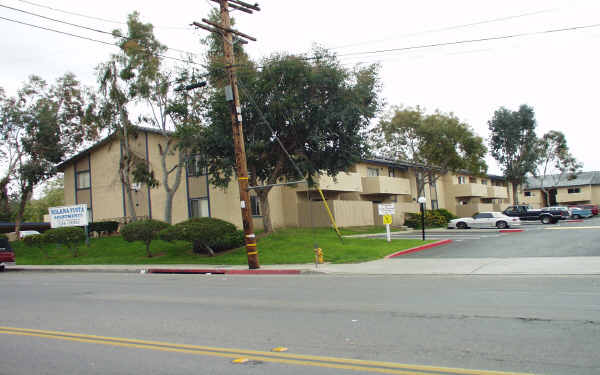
x: 7, y: 257
x: 546, y: 216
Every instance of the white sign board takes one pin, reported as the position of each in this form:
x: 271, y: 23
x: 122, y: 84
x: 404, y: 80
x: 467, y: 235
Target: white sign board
x: 386, y: 209
x: 68, y: 216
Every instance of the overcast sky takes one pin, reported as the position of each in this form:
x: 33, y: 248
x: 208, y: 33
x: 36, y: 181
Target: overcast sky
x: 555, y: 73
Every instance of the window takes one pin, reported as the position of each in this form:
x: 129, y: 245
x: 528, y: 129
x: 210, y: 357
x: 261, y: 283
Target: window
x: 485, y: 215
x: 196, y: 167
x: 484, y: 182
x: 472, y: 180
x: 391, y: 172
x: 462, y: 180
x: 255, y: 205
x: 83, y: 180
x: 200, y: 207
x: 574, y: 190
x: 528, y: 194
x: 372, y: 172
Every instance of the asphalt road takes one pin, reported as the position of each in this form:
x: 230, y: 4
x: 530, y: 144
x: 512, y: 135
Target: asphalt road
x: 547, y: 325
x: 537, y: 240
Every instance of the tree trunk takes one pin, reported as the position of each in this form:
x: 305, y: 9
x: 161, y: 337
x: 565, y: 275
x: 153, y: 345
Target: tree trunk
x: 25, y: 197
x: 515, y: 187
x: 265, y: 209
x: 170, y: 190
x: 4, y: 207
x: 125, y: 170
x: 148, y: 250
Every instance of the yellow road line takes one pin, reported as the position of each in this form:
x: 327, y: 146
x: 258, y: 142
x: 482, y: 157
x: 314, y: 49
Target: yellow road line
x: 568, y: 228
x: 304, y: 360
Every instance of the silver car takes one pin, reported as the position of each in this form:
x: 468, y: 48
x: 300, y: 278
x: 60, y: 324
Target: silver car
x: 485, y: 220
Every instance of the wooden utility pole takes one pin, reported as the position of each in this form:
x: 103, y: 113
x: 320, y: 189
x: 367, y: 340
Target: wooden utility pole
x: 236, y: 117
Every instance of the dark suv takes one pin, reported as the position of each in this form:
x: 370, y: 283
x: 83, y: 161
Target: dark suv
x: 7, y: 257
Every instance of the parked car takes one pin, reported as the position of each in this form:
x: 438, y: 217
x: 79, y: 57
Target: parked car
x: 592, y: 207
x: 7, y: 257
x: 485, y: 220
x: 563, y: 211
x: 580, y: 213
x: 25, y: 233
x: 546, y: 216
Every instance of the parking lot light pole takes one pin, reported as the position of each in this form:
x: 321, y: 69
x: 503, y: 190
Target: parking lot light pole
x: 422, y: 201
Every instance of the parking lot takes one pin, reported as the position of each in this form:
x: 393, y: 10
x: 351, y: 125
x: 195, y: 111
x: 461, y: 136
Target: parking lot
x: 565, y: 239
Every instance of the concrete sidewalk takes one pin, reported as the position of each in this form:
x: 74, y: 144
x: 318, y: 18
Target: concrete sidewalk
x: 395, y: 266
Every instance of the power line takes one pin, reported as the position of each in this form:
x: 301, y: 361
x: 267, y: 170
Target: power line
x: 82, y: 27
x: 442, y: 44
x: 90, y: 39
x: 453, y: 27
x: 92, y: 17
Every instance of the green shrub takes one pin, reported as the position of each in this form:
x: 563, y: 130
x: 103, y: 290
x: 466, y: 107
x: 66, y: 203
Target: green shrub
x: 432, y: 219
x: 37, y: 240
x: 208, y: 233
x: 447, y: 214
x: 71, y: 237
x: 144, y: 231
x: 3, y: 236
x: 104, y: 227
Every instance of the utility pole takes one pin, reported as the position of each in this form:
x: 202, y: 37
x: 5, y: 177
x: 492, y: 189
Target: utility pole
x: 232, y: 95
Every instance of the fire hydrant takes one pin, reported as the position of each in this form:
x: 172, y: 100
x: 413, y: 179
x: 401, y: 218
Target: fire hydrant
x: 319, y: 255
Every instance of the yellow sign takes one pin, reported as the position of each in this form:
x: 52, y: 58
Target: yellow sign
x: 387, y: 219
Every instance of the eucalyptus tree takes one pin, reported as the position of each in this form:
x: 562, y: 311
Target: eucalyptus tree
x: 434, y: 144
x: 514, y: 144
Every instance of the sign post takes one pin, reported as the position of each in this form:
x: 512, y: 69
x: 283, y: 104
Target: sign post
x: 387, y: 210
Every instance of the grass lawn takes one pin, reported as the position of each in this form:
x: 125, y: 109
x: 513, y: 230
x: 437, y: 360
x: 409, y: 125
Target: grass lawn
x: 286, y: 246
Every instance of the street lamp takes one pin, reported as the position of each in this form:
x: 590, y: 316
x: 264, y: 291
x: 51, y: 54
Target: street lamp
x: 422, y: 201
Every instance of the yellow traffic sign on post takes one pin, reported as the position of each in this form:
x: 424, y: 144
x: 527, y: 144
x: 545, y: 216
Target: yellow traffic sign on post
x: 387, y: 219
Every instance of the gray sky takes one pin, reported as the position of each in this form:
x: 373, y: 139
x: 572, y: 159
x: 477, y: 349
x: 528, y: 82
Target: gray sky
x: 556, y: 73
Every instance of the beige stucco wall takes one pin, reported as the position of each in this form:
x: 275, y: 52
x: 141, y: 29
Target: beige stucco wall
x: 596, y: 194
x: 107, y: 195
x: 69, y: 183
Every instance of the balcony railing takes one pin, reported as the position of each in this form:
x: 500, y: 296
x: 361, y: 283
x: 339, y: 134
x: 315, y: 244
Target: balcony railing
x: 469, y: 190
x: 499, y: 192
x: 385, y: 185
x: 343, y: 182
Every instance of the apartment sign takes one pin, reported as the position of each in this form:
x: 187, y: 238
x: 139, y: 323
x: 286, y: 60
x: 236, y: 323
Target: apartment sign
x: 386, y: 209
x: 68, y: 216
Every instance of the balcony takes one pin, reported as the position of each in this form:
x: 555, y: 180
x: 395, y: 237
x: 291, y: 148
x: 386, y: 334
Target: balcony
x: 584, y: 195
x: 385, y: 185
x: 499, y: 192
x: 344, y: 182
x: 468, y: 190
x: 473, y: 208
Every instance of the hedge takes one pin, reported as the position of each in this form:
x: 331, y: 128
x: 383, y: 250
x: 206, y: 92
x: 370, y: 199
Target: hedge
x: 144, y: 231
x: 107, y: 227
x: 71, y: 237
x: 433, y: 218
x: 205, y: 233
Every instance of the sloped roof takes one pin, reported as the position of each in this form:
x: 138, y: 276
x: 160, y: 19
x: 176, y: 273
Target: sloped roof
x: 583, y: 178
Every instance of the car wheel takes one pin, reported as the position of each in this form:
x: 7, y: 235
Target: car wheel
x: 576, y: 217
x: 461, y: 225
x: 501, y: 225
x: 545, y: 219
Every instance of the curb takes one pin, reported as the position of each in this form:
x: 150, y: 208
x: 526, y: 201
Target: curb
x: 222, y: 271
x: 510, y: 231
x: 574, y: 221
x: 419, y: 248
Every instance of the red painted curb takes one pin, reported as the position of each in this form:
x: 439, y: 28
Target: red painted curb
x: 510, y: 230
x: 223, y: 271
x: 419, y: 248
x: 575, y: 221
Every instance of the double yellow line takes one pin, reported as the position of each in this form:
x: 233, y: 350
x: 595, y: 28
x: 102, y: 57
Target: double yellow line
x: 253, y: 355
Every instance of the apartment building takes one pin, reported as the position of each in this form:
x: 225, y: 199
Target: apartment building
x: 563, y: 190
x: 92, y: 177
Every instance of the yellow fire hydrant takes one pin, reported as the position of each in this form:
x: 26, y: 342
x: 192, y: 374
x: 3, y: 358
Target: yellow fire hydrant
x: 319, y: 255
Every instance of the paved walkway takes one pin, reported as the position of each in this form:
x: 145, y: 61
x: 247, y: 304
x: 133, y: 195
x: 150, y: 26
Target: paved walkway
x: 395, y: 266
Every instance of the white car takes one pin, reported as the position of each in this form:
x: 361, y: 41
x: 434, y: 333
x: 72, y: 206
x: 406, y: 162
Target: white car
x: 485, y: 220
x: 25, y: 233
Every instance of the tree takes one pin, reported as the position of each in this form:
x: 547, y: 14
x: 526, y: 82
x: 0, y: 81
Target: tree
x: 513, y: 143
x: 434, y: 143
x: 144, y: 231
x: 42, y: 125
x: 146, y: 82
x: 53, y: 196
x: 315, y: 108
x: 554, y: 159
